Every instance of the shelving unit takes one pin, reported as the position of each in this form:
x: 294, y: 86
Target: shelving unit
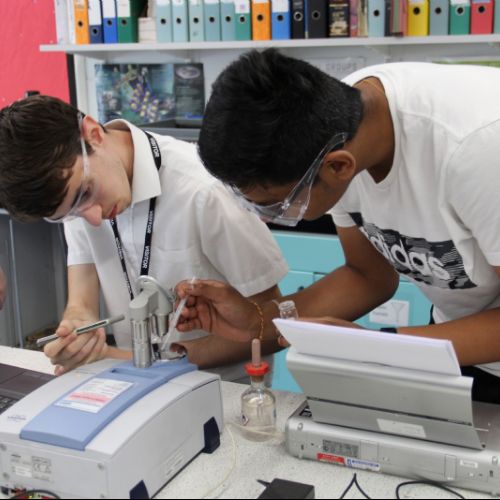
x: 322, y: 51
x: 102, y: 50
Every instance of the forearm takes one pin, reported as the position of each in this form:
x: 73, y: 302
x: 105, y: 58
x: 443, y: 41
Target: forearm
x: 345, y: 293
x: 272, y: 296
x: 115, y: 353
x: 475, y: 338
x: 212, y: 351
x: 83, y: 293
x: 80, y: 311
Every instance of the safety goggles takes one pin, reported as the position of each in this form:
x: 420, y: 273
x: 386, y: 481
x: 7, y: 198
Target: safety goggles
x: 292, y: 209
x: 87, y: 192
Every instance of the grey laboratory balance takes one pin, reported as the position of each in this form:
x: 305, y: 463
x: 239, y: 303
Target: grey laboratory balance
x: 397, y: 421
x: 113, y: 429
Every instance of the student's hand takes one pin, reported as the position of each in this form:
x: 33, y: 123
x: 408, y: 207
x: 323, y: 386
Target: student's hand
x: 70, y: 350
x: 212, y: 351
x: 328, y: 320
x: 217, y: 308
x: 3, y: 288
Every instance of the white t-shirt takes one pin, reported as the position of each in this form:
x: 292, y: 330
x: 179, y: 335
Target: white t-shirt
x: 436, y: 216
x: 199, y: 230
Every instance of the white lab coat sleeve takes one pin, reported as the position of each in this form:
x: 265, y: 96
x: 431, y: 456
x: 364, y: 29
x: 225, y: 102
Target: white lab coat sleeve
x: 239, y: 245
x: 79, y: 251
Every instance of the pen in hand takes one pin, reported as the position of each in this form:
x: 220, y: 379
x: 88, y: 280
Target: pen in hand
x: 83, y: 329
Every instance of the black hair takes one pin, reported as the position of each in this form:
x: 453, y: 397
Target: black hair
x: 270, y: 115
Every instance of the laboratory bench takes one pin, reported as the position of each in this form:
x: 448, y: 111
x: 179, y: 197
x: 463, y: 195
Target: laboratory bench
x: 233, y: 469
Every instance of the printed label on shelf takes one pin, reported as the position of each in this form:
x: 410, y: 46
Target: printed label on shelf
x: 242, y: 6
x: 280, y: 5
x: 123, y: 8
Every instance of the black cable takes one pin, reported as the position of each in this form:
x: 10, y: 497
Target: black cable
x: 24, y: 494
x: 349, y: 486
x: 428, y: 483
x: 354, y: 481
x: 359, y: 488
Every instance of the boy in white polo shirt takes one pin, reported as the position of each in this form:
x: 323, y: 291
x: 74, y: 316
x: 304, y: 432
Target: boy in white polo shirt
x: 106, y: 184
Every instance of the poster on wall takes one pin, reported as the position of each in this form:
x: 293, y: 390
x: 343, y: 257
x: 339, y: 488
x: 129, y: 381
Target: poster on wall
x: 147, y: 93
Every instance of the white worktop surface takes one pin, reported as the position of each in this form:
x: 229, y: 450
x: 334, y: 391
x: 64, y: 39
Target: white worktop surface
x: 238, y: 463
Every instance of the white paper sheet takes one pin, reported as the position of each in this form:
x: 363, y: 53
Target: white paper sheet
x: 402, y: 351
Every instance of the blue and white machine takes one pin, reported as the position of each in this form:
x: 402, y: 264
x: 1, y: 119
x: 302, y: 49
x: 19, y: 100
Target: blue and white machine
x: 112, y: 429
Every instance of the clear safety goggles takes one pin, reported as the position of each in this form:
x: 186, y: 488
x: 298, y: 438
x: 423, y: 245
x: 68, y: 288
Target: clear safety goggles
x: 292, y: 209
x: 88, y: 190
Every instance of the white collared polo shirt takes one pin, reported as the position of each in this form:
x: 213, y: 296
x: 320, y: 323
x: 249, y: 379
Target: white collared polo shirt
x: 199, y: 230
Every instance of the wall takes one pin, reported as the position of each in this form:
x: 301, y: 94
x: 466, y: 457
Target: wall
x: 24, y: 26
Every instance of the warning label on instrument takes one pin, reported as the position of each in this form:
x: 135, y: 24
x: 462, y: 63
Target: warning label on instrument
x: 32, y: 467
x: 93, y: 396
x: 333, y: 459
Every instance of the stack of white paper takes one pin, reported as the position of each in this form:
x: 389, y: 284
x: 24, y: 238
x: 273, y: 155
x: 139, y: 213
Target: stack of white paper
x: 402, y: 351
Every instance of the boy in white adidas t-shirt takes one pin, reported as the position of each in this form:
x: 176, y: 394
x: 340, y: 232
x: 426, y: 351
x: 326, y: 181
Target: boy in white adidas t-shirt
x: 406, y: 158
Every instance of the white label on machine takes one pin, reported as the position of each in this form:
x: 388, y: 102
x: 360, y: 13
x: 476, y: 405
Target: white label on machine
x: 31, y: 467
x: 42, y: 468
x: 469, y: 463
x: 393, y: 313
x: 93, y: 396
x: 362, y: 464
x: 393, y: 427
x: 173, y: 465
x: 21, y: 465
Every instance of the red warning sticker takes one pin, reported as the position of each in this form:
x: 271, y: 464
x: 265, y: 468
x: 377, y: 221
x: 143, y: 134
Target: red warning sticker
x: 333, y: 459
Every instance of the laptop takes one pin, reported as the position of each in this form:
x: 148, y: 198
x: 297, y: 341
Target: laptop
x: 15, y: 383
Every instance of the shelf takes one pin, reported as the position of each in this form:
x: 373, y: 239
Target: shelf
x: 100, y: 50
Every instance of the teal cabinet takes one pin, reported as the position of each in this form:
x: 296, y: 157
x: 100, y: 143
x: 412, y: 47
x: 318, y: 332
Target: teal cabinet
x: 310, y: 258
x: 295, y: 281
x: 408, y: 306
x: 310, y: 252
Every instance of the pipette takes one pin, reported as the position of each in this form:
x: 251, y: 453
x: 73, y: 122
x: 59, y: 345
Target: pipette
x: 176, y: 317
